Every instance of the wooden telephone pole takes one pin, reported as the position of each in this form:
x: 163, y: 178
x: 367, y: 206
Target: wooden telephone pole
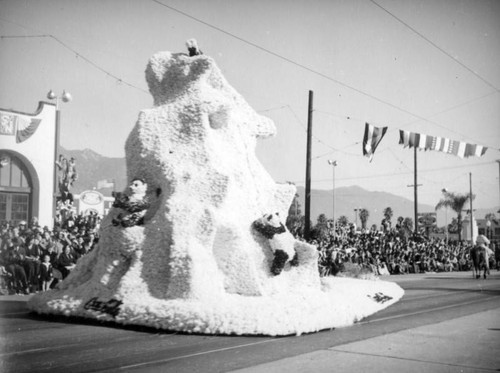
x: 471, y: 212
x: 307, y: 227
x: 415, y: 188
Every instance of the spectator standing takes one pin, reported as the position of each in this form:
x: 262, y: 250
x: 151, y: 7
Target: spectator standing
x: 32, y: 263
x: 46, y: 273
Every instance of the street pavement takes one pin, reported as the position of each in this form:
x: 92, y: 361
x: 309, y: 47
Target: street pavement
x: 465, y: 344
x: 469, y: 343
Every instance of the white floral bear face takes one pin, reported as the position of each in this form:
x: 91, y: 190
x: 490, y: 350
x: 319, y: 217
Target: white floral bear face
x: 269, y: 225
x: 273, y: 220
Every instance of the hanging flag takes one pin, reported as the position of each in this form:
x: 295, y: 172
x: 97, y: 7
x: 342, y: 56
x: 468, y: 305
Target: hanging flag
x: 474, y: 150
x: 404, y: 138
x: 371, y: 139
x: 414, y: 140
x: 30, y: 129
x: 461, y: 149
x: 430, y: 140
x: 441, y: 144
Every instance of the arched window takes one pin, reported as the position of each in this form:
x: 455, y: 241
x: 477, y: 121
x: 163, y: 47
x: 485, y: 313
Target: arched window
x: 15, y: 189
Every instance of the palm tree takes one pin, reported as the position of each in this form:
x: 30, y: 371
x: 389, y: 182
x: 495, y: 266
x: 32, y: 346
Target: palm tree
x: 320, y: 230
x: 363, y: 216
x: 388, y: 213
x: 386, y: 222
x: 343, y: 221
x: 456, y: 202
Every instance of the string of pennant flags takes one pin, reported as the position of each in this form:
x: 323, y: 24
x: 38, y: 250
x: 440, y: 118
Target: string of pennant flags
x: 373, y: 136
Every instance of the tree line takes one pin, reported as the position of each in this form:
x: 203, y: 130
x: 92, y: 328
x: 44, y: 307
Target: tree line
x: 457, y: 202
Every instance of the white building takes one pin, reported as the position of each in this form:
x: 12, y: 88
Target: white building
x: 466, y: 229
x: 28, y: 150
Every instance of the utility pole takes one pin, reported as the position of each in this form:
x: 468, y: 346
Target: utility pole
x: 415, y: 186
x: 498, y: 161
x: 471, y: 211
x: 307, y: 227
x: 333, y: 164
x: 415, y: 194
x: 444, y: 190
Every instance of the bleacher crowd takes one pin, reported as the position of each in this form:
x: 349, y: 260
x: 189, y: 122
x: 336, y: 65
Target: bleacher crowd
x: 35, y: 258
x: 391, y: 253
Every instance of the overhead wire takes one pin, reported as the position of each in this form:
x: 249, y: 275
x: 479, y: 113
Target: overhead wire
x: 120, y: 80
x: 436, y: 46
x: 404, y: 125
x: 301, y: 65
x: 78, y: 54
x: 396, y: 173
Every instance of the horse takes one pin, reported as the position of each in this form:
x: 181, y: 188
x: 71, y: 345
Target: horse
x: 479, y: 256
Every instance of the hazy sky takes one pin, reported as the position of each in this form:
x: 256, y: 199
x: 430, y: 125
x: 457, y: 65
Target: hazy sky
x: 424, y: 66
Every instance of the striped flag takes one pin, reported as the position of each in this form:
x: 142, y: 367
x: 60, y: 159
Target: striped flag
x: 404, y: 138
x: 371, y: 139
x: 440, y: 144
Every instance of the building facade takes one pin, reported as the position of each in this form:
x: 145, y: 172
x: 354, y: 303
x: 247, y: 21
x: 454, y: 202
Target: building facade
x: 28, y: 148
x: 490, y: 229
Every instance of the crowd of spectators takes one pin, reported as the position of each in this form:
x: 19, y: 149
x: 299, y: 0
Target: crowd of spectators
x: 35, y: 258
x: 390, y: 253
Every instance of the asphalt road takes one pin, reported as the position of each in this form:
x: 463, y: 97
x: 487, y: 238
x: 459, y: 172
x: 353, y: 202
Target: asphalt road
x: 32, y: 343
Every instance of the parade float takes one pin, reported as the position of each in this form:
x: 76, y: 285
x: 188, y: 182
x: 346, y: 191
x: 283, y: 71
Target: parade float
x: 206, y: 251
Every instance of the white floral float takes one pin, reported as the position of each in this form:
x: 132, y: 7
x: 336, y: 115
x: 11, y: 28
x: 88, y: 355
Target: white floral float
x: 197, y: 264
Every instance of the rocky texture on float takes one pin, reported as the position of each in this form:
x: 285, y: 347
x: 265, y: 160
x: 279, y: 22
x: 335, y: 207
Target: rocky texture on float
x: 197, y: 264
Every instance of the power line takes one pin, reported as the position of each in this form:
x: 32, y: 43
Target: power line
x: 271, y: 109
x: 289, y: 60
x: 301, y: 65
x: 396, y: 173
x: 255, y: 45
x: 404, y: 125
x: 436, y: 46
x: 78, y: 54
x: 304, y: 127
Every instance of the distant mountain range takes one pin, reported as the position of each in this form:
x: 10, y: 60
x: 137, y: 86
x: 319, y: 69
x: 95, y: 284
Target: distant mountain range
x: 93, y: 167
x: 354, y: 197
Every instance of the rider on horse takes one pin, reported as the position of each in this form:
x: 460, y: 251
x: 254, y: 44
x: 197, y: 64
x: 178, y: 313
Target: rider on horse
x: 480, y: 256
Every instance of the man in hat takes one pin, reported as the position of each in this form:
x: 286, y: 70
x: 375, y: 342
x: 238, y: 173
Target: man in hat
x: 14, y: 260
x: 134, y: 205
x: 484, y: 242
x: 480, y: 255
